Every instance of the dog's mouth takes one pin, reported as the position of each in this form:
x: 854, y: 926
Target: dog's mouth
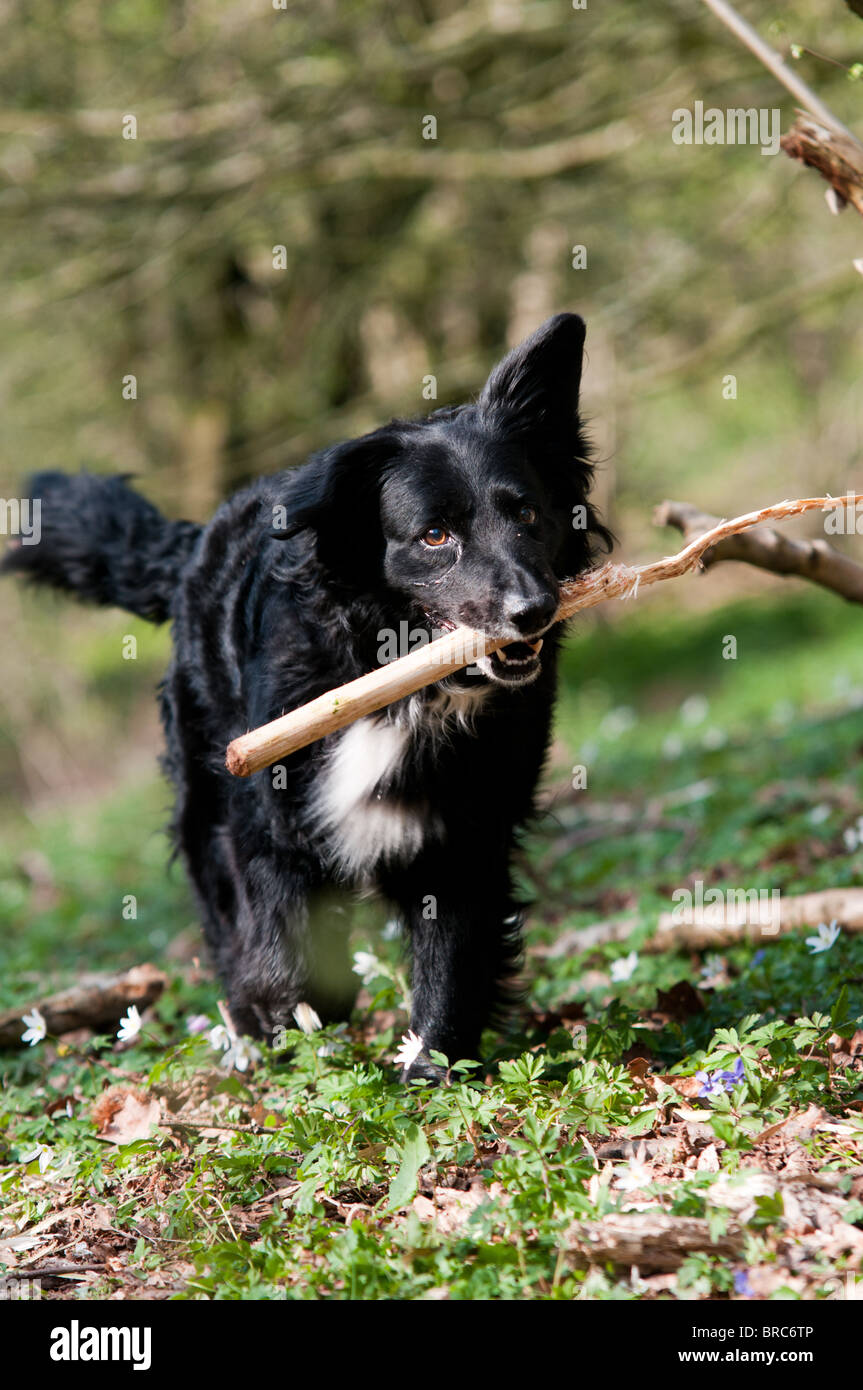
x: 514, y: 664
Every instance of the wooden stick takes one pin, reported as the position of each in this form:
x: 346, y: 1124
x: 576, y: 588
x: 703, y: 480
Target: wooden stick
x: 743, y: 922
x: 463, y: 646
x: 652, y: 1240
x: 769, y: 550
x: 775, y: 63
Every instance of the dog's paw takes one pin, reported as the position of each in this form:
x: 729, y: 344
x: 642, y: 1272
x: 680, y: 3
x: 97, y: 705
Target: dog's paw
x: 424, y: 1069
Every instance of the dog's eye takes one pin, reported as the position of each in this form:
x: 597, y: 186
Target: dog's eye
x: 527, y: 515
x: 435, y: 535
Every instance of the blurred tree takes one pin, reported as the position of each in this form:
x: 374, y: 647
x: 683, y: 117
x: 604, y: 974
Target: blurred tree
x: 276, y: 252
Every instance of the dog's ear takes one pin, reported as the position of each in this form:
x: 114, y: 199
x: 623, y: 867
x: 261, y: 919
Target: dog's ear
x: 534, y: 390
x: 336, y: 496
x: 533, y: 395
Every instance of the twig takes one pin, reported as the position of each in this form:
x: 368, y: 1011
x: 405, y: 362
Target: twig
x: 775, y: 63
x: 212, y: 1124
x: 337, y: 708
x: 56, y: 1270
x: 825, y: 1182
x: 768, y: 550
x: 830, y: 147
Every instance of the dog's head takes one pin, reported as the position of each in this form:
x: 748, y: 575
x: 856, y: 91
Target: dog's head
x: 474, y: 514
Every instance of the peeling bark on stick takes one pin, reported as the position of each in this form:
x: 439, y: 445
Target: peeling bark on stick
x: 838, y: 158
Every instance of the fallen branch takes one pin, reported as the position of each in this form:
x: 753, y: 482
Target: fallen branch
x: 769, y: 550
x: 97, y: 1001
x: 724, y: 925
x: 650, y: 1240
x: 463, y: 646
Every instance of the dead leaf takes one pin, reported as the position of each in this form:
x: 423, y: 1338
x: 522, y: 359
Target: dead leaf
x: 638, y: 1067
x: 708, y: 1160
x: 259, y: 1114
x: 688, y: 1086
x: 450, y: 1208
x: 801, y: 1126
x: 769, y: 1132
x: 123, y: 1115
x: 740, y: 1191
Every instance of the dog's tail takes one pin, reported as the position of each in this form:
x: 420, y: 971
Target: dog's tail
x: 94, y: 537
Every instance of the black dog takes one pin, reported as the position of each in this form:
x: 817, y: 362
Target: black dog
x: 303, y: 582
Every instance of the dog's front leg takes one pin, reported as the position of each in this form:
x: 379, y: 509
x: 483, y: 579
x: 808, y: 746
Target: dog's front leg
x: 465, y: 951
x: 288, y: 961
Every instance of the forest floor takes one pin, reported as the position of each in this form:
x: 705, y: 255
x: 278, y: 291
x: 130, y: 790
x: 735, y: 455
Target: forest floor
x: 683, y: 1124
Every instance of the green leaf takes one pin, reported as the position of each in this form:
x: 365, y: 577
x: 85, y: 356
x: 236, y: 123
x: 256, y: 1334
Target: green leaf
x: 414, y: 1153
x: 304, y: 1198
x: 839, y: 1019
x: 717, y: 1221
x: 768, y: 1210
x: 725, y: 1129
x: 644, y: 1122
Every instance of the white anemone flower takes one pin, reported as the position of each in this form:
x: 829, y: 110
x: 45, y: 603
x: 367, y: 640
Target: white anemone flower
x: 624, y: 967
x: 367, y: 966
x: 130, y: 1025
x: 637, y: 1174
x: 44, y: 1154
x: 827, y: 937
x: 409, y: 1049
x: 306, y: 1018
x: 240, y: 1054
x: 219, y: 1038
x: 36, y: 1027
x: 694, y: 710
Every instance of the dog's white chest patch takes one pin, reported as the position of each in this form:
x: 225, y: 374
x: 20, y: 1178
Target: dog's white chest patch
x: 363, y: 825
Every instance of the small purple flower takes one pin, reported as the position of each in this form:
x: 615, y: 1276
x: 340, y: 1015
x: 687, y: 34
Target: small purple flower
x: 758, y: 958
x: 710, y: 1085
x: 742, y: 1285
x: 735, y: 1076
x: 720, y: 1080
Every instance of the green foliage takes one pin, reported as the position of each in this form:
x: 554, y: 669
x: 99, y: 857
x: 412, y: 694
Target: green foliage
x: 322, y: 1196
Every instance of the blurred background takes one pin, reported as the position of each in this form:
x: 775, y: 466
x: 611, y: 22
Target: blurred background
x: 279, y: 258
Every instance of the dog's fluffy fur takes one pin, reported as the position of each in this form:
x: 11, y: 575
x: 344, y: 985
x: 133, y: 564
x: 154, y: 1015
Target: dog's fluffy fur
x: 472, y: 515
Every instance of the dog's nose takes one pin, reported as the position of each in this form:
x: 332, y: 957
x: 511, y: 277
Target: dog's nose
x: 534, y: 616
